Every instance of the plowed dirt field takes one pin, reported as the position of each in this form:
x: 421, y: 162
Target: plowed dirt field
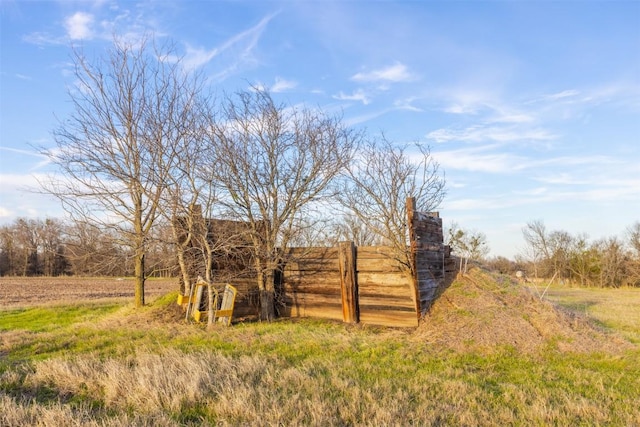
x: 17, y: 292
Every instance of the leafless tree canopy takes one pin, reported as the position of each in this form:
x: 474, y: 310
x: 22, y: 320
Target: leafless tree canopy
x: 115, y: 153
x: 273, y: 165
x: 469, y: 245
x: 144, y: 142
x: 378, y: 184
x: 606, y: 262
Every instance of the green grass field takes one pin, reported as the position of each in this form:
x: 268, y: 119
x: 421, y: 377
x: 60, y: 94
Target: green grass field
x: 108, y: 364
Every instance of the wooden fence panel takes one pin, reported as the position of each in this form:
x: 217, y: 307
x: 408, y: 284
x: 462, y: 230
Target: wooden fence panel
x: 318, y: 283
x: 385, y: 292
x: 311, y: 284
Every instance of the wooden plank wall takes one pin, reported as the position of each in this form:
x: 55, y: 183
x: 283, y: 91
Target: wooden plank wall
x: 312, y: 287
x: 433, y: 261
x: 359, y: 284
x: 385, y: 293
x: 247, y: 299
x: 311, y: 284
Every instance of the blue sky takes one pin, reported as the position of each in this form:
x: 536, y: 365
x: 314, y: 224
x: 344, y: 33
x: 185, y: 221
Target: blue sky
x: 531, y: 108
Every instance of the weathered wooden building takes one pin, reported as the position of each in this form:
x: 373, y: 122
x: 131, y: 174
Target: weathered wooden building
x: 366, y: 284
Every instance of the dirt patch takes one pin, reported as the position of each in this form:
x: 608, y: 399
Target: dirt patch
x: 19, y: 292
x: 485, y: 311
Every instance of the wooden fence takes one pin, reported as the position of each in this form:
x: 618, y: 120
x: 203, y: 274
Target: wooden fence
x: 363, y: 284
x: 353, y: 284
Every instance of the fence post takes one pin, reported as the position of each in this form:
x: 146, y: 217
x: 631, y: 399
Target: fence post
x: 348, y: 282
x: 413, y: 247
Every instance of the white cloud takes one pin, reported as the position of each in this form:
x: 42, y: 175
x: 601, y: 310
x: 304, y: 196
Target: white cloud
x: 561, y: 178
x: 358, y: 95
x: 512, y: 117
x: 393, y: 73
x: 44, y: 159
x: 282, y: 85
x: 79, y: 25
x: 22, y: 197
x: 10, y: 182
x: 43, y: 38
x: 533, y: 191
x: 5, y: 213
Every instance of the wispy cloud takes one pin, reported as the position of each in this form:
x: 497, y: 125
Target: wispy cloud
x: 22, y: 197
x: 545, y: 195
x: 43, y: 38
x: 82, y: 25
x: 569, y: 93
x: 480, y: 160
x: 44, y: 159
x: 394, y: 73
x: 487, y: 133
x: 240, y: 48
x: 407, y: 104
x: 492, y: 158
x: 280, y: 85
x: 359, y: 95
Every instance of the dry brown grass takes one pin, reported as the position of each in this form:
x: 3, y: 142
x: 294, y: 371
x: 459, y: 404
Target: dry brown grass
x: 490, y: 353
x: 153, y: 388
x: 479, y: 312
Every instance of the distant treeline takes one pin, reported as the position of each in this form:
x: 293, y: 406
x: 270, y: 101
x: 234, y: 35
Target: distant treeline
x: 52, y: 247
x: 563, y: 257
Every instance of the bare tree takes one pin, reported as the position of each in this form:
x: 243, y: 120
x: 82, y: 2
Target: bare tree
x: 8, y: 251
x: 351, y: 227
x: 52, y: 243
x: 28, y: 237
x: 633, y: 236
x: 470, y: 245
x: 93, y: 251
x: 19, y: 244
x: 113, y: 153
x: 549, y: 249
x: 612, y: 268
x: 273, y: 163
x: 535, y: 236
x: 380, y: 181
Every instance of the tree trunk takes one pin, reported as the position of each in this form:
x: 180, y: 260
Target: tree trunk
x: 139, y: 278
x: 267, y: 311
x: 184, y: 271
x: 267, y: 291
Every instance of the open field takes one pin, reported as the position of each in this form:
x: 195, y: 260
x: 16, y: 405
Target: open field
x: 617, y: 309
x: 18, y: 292
x: 490, y: 353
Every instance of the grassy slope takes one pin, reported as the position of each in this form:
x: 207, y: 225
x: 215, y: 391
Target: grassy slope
x: 473, y: 362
